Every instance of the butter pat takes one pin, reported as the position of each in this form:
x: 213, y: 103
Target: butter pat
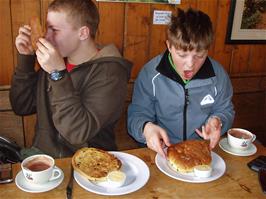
x: 116, y: 178
x: 203, y: 171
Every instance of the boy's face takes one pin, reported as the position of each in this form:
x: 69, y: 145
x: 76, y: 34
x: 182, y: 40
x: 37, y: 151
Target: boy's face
x: 187, y: 63
x: 61, y: 33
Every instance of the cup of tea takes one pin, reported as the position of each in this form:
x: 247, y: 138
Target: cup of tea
x: 240, y: 138
x: 40, y: 169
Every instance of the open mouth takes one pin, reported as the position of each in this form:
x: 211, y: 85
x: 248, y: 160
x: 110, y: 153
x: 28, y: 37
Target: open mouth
x: 188, y: 74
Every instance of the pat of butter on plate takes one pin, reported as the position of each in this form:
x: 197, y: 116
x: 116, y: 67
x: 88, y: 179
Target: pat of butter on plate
x: 116, y: 178
x: 203, y: 171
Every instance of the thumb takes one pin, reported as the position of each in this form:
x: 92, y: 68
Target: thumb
x: 165, y: 138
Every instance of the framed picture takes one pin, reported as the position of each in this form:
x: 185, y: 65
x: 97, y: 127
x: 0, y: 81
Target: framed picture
x: 247, y: 22
x: 146, y: 1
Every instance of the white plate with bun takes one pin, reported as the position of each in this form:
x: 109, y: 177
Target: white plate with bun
x: 218, y: 168
x: 136, y: 171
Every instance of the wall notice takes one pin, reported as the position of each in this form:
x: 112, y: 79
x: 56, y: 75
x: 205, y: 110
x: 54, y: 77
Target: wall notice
x: 161, y: 17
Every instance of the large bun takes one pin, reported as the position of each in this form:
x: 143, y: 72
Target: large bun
x: 184, y: 156
x: 94, y: 164
x: 36, y: 31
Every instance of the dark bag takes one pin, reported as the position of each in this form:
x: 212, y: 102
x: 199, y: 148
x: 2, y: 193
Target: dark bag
x: 9, y: 151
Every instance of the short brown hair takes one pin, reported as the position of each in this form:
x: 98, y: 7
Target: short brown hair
x: 190, y: 30
x: 82, y: 12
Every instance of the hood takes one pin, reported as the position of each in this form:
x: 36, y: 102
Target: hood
x: 110, y: 53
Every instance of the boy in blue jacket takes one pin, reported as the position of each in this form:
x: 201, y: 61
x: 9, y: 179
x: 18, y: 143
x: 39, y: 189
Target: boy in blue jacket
x: 182, y: 94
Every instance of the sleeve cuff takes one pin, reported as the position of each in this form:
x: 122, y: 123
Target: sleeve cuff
x: 26, y: 63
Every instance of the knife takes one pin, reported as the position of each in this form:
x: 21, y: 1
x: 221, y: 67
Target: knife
x: 70, y: 184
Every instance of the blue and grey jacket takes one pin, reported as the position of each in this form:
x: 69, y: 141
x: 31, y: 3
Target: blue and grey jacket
x: 161, y: 96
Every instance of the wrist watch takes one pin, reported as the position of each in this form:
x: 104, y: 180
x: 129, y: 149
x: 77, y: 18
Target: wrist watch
x: 57, y: 74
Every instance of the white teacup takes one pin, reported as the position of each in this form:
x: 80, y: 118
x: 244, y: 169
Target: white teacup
x: 240, y: 138
x: 40, y: 169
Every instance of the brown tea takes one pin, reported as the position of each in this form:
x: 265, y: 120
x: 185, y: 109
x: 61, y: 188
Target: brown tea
x: 239, y: 134
x: 38, y: 164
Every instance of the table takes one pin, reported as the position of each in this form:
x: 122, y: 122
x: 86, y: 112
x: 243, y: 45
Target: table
x: 237, y: 182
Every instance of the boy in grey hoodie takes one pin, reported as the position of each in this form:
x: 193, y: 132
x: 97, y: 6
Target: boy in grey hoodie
x: 78, y: 91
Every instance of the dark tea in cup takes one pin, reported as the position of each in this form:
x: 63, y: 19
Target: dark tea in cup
x: 240, y: 134
x: 240, y: 138
x: 40, y: 169
x: 39, y: 164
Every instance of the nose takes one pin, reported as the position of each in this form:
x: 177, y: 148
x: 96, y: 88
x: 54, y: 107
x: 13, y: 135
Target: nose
x: 48, y: 35
x: 190, y: 62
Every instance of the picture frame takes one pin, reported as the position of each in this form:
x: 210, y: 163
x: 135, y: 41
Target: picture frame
x: 146, y: 1
x: 246, y: 22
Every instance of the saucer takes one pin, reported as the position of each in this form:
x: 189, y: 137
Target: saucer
x: 24, y: 185
x: 227, y: 148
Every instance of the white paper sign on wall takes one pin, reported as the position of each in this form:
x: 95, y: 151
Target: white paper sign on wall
x: 161, y: 17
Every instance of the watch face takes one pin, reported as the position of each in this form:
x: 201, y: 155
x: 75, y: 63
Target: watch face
x: 57, y: 75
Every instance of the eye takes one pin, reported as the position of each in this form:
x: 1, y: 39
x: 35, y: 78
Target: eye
x: 181, y: 55
x: 199, y: 56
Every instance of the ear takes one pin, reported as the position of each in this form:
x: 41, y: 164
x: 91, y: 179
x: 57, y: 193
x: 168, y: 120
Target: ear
x: 84, y: 33
x: 168, y: 45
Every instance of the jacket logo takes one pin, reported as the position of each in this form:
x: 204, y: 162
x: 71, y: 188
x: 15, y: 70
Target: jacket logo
x: 207, y: 100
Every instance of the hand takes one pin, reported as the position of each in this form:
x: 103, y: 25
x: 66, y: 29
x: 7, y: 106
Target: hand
x: 211, y: 131
x: 156, y: 138
x: 23, y: 41
x: 48, y: 57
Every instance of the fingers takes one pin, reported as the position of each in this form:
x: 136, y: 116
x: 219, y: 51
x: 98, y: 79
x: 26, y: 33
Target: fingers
x: 24, y: 30
x: 46, y: 43
x: 156, y: 146
x: 41, y: 49
x: 165, y: 139
x: 22, y: 40
x: 161, y: 152
x: 199, y: 132
x: 214, y: 139
x: 203, y: 134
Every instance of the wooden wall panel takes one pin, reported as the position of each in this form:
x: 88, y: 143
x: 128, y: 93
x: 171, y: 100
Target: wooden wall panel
x: 22, y: 11
x: 222, y: 52
x: 6, y: 41
x: 209, y: 7
x: 44, y: 6
x: 188, y: 3
x: 158, y: 32
x: 249, y: 108
x: 12, y: 128
x: 240, y: 59
x: 136, y: 33
x: 257, y: 61
x: 11, y: 125
x: 111, y: 28
x: 29, y: 129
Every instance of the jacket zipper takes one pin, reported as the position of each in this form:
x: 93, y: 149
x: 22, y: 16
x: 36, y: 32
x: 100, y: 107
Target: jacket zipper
x: 185, y: 115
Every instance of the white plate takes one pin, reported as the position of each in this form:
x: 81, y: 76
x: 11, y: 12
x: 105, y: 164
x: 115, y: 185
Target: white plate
x: 24, y: 185
x: 227, y: 148
x: 218, y: 169
x: 137, y: 175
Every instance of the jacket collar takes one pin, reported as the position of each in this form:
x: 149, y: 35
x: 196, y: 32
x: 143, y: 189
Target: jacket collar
x: 165, y: 68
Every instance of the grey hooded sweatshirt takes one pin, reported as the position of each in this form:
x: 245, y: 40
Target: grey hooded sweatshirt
x: 80, y: 110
